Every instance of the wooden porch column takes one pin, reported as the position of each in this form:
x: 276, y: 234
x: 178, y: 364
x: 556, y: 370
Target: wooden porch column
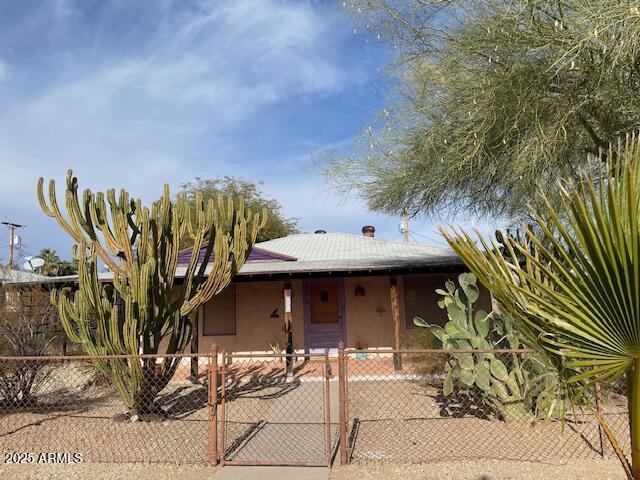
x: 195, y: 337
x: 395, y: 316
x: 287, y: 327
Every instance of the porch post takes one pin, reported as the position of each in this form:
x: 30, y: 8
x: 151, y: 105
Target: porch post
x: 195, y: 337
x: 395, y: 316
x: 287, y: 327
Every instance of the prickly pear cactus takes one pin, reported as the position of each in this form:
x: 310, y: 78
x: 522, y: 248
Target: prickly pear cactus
x: 499, y: 384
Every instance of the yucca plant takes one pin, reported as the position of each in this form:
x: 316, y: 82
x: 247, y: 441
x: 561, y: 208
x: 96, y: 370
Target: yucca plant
x: 572, y: 285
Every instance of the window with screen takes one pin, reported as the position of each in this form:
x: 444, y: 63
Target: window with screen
x: 220, y: 313
x: 421, y: 299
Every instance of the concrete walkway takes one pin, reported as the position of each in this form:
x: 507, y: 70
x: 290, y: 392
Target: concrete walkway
x: 287, y: 428
x: 273, y: 473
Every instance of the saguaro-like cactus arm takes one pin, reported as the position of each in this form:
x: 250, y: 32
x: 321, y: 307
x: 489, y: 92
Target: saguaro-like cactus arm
x: 79, y: 228
x: 138, y: 308
x: 233, y: 230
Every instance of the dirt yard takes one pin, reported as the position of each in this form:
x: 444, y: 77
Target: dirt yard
x: 103, y: 471
x: 478, y: 470
x: 486, y: 470
x: 267, y: 420
x: 410, y: 422
x: 69, y: 417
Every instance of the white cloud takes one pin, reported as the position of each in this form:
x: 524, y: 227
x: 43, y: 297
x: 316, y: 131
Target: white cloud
x: 203, y: 73
x: 164, y: 105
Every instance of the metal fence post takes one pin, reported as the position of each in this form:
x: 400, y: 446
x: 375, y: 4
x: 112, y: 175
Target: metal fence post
x: 223, y: 397
x: 213, y: 405
x: 604, y: 441
x: 342, y: 403
x: 327, y: 407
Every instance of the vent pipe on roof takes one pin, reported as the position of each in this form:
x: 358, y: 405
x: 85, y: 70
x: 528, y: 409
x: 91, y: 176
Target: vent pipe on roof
x: 369, y: 231
x: 320, y: 231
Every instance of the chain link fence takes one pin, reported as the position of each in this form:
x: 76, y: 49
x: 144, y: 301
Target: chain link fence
x: 69, y: 405
x: 265, y: 409
x: 421, y: 406
x: 278, y: 410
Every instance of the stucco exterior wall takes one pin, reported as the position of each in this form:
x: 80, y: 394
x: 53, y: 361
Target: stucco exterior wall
x: 438, y: 315
x: 255, y: 328
x: 368, y: 317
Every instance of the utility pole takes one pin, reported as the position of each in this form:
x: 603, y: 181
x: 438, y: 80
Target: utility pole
x: 12, y: 228
x: 404, y: 227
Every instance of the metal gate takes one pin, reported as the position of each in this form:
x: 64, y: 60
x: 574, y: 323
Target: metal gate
x: 275, y: 409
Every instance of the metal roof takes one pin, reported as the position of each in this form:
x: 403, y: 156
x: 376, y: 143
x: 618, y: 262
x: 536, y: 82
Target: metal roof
x: 21, y: 276
x: 257, y: 254
x: 325, y: 252
x: 330, y: 252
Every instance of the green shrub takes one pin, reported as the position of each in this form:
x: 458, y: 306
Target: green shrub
x: 425, y: 363
x: 26, y: 320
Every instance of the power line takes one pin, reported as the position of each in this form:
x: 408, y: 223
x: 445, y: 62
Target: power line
x: 431, y: 239
x: 12, y: 240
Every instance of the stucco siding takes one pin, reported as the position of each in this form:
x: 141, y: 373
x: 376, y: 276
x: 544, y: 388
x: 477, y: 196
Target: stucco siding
x: 368, y: 317
x: 255, y: 327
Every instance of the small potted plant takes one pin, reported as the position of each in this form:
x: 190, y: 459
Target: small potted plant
x: 361, y: 355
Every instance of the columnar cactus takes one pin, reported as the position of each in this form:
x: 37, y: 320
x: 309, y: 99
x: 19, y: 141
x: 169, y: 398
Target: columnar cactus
x: 142, y: 306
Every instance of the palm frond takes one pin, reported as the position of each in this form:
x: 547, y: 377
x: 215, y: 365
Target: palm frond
x: 573, y: 285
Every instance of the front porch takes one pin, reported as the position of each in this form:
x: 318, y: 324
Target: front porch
x: 304, y: 315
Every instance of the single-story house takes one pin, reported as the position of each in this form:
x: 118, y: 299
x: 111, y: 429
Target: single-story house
x: 335, y: 287
x: 329, y: 287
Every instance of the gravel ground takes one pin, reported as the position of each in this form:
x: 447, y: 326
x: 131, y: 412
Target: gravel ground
x: 72, y: 418
x: 266, y: 420
x: 478, y: 470
x: 395, y: 421
x: 486, y: 470
x: 408, y: 422
x: 103, y: 471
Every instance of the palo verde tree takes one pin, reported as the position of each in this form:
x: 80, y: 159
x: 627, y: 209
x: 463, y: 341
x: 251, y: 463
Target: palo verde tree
x: 142, y: 306
x: 572, y: 286
x: 493, y: 100
x: 277, y: 224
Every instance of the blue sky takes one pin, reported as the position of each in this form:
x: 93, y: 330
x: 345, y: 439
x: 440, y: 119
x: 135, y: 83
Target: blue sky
x: 138, y: 93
